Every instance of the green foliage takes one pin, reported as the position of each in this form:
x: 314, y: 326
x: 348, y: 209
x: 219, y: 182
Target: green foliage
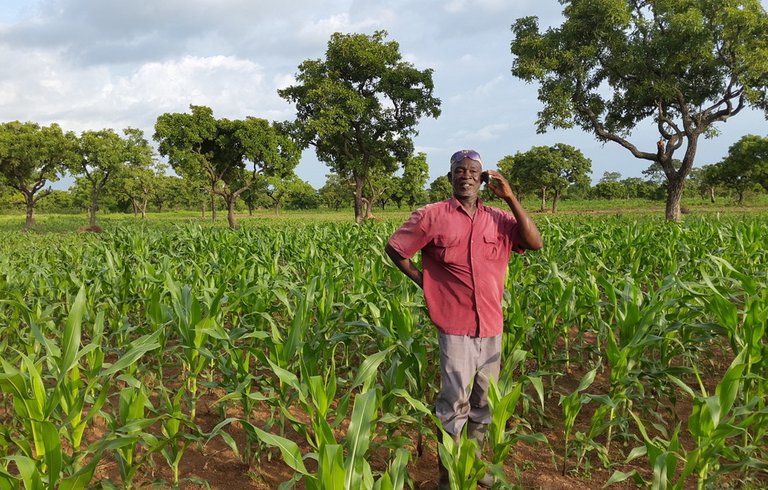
x: 301, y: 336
x: 359, y: 107
x: 31, y: 156
x: 612, y: 65
x: 103, y: 154
x: 409, y: 187
x: 337, y: 191
x: 229, y: 155
x: 440, y: 189
x: 745, y: 167
x: 545, y: 168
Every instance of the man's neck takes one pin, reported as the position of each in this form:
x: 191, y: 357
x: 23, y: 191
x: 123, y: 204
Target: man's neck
x: 468, y: 203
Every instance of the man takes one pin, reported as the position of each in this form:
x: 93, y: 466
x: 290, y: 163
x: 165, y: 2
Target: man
x: 465, y: 248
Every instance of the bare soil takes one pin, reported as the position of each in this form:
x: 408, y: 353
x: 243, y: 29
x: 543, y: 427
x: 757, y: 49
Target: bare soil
x: 529, y: 466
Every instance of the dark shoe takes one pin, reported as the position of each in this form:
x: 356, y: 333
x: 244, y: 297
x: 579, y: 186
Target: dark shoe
x: 444, y: 482
x: 477, y: 432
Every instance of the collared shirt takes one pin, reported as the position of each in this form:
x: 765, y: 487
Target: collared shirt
x: 464, y: 263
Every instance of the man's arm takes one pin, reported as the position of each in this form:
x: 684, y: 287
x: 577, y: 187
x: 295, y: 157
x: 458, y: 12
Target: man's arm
x: 530, y: 238
x: 405, y: 265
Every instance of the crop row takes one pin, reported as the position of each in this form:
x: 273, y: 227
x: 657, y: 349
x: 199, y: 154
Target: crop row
x: 309, y: 323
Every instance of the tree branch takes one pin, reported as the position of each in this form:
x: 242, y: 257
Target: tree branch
x: 607, y: 135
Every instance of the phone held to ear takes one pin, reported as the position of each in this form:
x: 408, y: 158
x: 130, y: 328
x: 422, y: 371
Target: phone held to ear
x: 485, y: 178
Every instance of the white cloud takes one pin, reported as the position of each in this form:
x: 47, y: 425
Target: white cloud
x: 91, y: 64
x: 320, y: 30
x: 486, y: 133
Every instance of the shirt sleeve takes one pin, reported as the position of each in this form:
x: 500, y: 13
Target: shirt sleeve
x: 410, y: 237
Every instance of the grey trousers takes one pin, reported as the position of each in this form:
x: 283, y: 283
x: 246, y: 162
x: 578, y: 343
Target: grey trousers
x: 466, y: 365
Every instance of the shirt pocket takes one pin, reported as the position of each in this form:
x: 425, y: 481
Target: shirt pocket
x: 493, y: 246
x: 447, y: 248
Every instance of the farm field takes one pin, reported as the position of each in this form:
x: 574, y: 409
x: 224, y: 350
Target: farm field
x: 173, y: 352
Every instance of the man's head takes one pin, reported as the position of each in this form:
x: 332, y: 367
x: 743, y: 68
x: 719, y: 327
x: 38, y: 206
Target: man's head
x: 466, y: 173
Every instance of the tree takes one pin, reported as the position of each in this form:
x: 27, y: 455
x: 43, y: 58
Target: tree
x: 635, y: 187
x: 337, y: 191
x: 609, y: 187
x: 683, y: 65
x: 173, y: 192
x: 290, y: 191
x: 102, y: 154
x: 510, y: 170
x: 30, y: 157
x: 359, y: 107
x: 409, y: 187
x: 139, y: 185
x: 379, y: 187
x: 57, y: 201
x: 552, y: 168
x: 301, y: 195
x: 228, y: 154
x: 706, y: 180
x: 611, y: 177
x: 440, y: 189
x: 745, y: 167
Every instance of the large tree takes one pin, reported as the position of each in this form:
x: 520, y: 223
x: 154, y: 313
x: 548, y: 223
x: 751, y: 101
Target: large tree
x: 613, y: 64
x: 230, y: 155
x: 102, y: 154
x: 31, y: 156
x: 360, y: 105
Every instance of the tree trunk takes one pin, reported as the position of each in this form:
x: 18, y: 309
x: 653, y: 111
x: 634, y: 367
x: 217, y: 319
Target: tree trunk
x: 30, y: 202
x: 555, y: 198
x: 144, y: 209
x: 92, y: 210
x: 213, y: 207
x: 368, y: 209
x: 359, y: 181
x: 674, y: 196
x: 712, y: 194
x: 543, y: 199
x: 231, y: 212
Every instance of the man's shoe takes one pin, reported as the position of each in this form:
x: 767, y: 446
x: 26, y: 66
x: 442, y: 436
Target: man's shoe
x: 444, y: 482
x: 477, y: 432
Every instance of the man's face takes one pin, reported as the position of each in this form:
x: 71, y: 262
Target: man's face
x: 465, y: 178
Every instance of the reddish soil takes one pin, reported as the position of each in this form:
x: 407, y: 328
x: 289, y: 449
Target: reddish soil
x: 529, y: 466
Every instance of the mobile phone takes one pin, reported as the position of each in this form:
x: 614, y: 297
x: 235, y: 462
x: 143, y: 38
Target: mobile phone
x: 485, y: 178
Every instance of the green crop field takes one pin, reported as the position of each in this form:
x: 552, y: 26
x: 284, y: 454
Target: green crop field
x: 172, y: 352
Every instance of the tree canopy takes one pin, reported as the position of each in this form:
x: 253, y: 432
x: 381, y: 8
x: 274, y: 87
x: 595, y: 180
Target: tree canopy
x: 102, y: 154
x: 554, y: 168
x: 745, y: 166
x: 613, y: 64
x: 229, y: 154
x: 360, y: 105
x: 31, y: 156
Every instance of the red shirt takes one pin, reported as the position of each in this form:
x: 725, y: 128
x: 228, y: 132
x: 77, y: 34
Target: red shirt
x: 464, y: 263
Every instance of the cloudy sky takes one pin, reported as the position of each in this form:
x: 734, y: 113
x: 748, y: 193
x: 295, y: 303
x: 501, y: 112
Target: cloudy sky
x: 93, y: 64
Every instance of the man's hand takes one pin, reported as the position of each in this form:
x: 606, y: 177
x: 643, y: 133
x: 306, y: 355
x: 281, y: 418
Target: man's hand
x: 529, y: 235
x: 499, y: 185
